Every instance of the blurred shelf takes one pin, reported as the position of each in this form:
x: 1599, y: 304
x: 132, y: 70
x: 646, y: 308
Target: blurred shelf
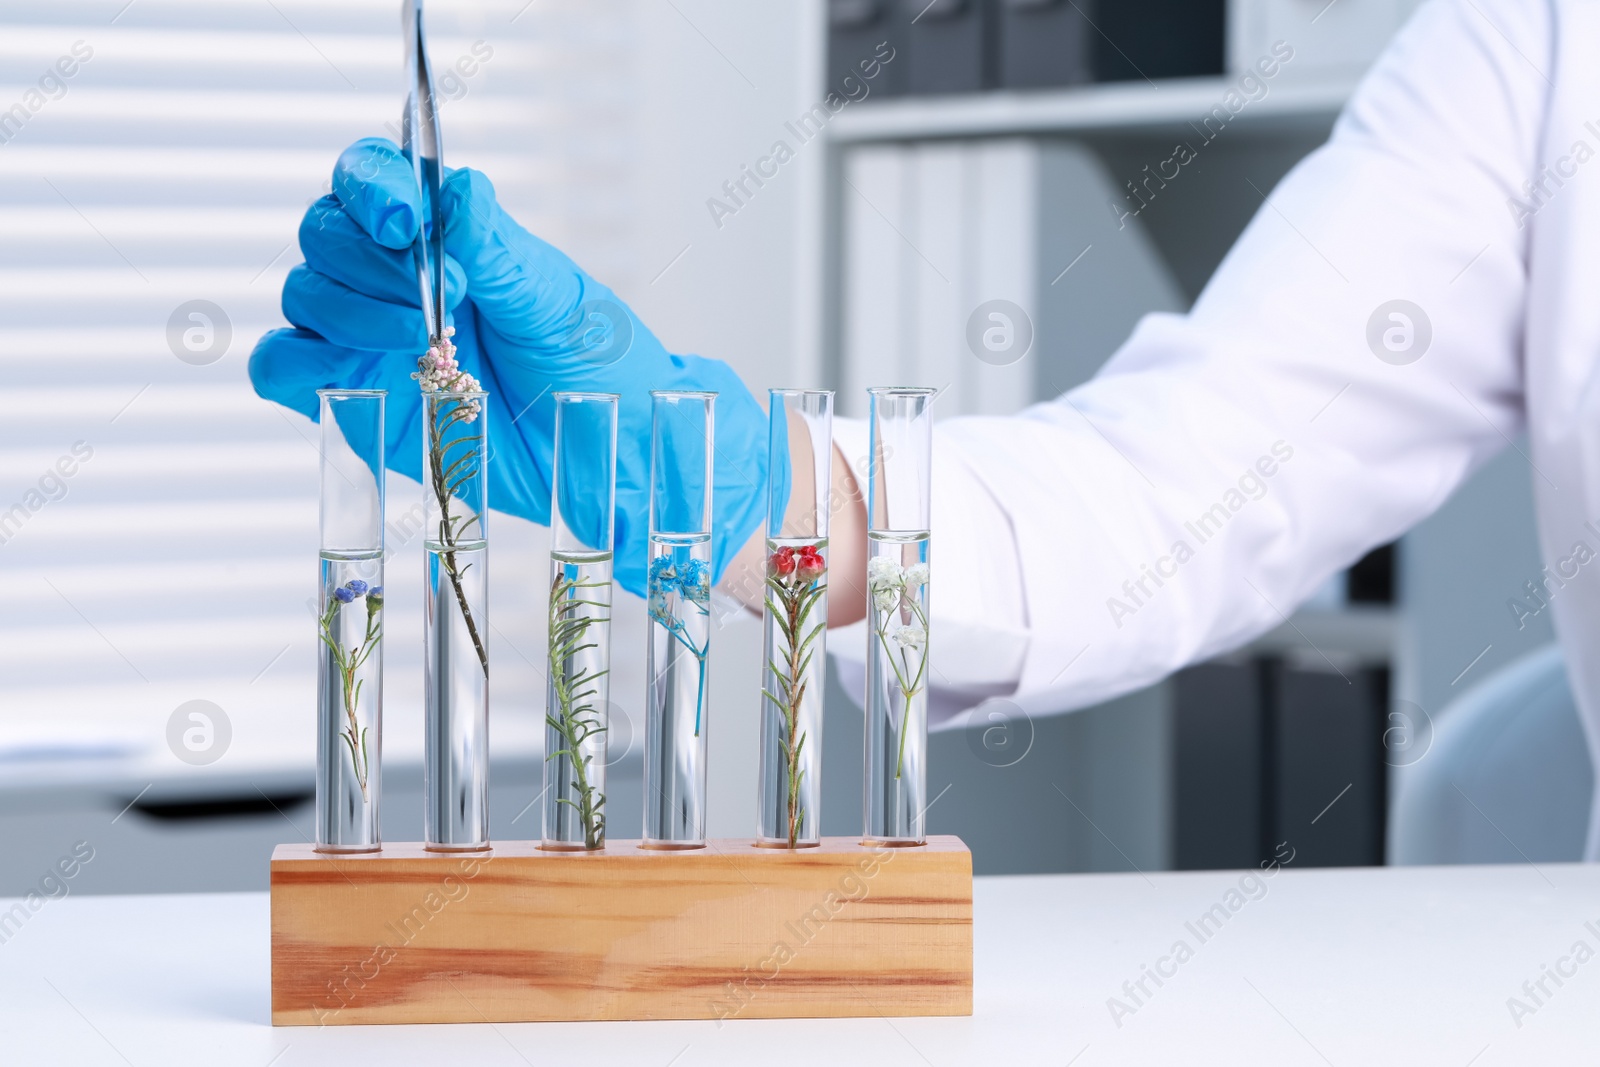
x: 1179, y: 104
x: 153, y: 827
x: 157, y: 778
x: 1367, y: 635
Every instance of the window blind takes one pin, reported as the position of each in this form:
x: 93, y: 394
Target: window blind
x: 158, y: 521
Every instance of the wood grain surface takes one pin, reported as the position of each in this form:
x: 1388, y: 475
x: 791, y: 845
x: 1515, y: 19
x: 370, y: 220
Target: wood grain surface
x: 519, y: 934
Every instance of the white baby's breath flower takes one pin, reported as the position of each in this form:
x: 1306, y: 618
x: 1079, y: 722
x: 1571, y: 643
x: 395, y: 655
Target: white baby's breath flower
x: 884, y: 573
x: 912, y: 637
x: 885, y: 580
x: 916, y: 576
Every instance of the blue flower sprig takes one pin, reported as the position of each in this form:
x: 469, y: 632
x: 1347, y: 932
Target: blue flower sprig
x: 350, y: 660
x: 670, y: 589
x: 355, y: 588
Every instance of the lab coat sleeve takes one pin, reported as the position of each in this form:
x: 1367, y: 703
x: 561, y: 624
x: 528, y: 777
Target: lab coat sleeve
x: 1224, y: 463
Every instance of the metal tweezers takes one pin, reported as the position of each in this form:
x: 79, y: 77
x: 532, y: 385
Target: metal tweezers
x: 420, y: 136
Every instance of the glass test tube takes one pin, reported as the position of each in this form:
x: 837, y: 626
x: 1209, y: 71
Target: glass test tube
x: 455, y: 681
x: 679, y: 605
x: 582, y: 527
x: 350, y: 621
x: 795, y: 620
x: 898, y: 488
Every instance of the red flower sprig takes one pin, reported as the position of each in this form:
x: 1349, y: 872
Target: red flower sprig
x: 794, y: 590
x: 805, y: 563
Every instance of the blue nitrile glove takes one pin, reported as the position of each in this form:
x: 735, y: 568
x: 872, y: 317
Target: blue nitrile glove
x: 529, y: 323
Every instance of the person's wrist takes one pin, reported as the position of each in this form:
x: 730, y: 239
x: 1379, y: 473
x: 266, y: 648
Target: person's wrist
x: 847, y: 544
x: 745, y: 579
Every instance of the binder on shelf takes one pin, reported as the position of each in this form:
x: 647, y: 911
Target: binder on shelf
x: 1218, y: 791
x: 936, y: 230
x: 931, y: 47
x: 1139, y: 40
x: 1331, y: 787
x: 1277, y: 756
x: 947, y: 45
x: 858, y: 31
x: 1043, y: 43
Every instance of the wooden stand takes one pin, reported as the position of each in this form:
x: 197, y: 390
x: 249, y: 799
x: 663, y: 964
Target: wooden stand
x: 521, y: 935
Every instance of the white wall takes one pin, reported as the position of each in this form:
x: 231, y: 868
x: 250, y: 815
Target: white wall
x: 723, y: 77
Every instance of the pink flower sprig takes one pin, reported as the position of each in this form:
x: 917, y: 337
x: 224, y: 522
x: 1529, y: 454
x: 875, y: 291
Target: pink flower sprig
x: 438, y: 372
x: 449, y: 470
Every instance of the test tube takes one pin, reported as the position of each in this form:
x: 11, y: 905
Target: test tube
x: 795, y: 619
x: 455, y: 681
x: 898, y: 488
x: 350, y: 621
x: 582, y: 526
x: 679, y: 606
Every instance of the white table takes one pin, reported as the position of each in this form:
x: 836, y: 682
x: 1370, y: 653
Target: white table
x: 1403, y: 966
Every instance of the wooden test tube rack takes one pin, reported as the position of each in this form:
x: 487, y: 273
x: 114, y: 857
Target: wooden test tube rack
x: 519, y: 934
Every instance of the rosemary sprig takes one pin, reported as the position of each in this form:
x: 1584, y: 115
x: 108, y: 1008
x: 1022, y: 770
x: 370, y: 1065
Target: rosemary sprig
x: 439, y: 372
x: 790, y: 598
x: 449, y: 476
x: 576, y: 718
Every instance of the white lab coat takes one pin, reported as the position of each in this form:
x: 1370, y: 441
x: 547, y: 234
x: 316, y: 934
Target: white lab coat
x: 1433, y: 189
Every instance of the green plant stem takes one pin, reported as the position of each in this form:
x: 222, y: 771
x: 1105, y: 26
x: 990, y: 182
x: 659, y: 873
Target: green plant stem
x: 447, y: 535
x: 908, y: 691
x: 567, y: 634
x: 349, y: 662
x: 793, y: 608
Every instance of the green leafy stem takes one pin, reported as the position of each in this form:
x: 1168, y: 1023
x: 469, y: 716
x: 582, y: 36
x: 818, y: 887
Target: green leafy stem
x: 349, y: 662
x: 449, y: 473
x: 576, y: 718
x: 908, y: 603
x: 789, y: 601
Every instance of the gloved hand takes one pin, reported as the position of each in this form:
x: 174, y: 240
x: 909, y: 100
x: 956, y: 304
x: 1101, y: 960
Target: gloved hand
x: 529, y: 323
